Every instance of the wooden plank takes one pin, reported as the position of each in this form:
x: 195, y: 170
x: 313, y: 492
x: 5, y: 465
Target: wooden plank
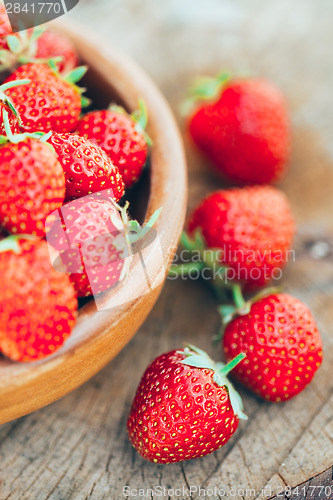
x: 298, y: 466
x: 319, y: 487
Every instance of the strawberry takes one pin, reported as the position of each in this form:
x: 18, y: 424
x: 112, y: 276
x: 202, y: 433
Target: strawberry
x: 121, y: 136
x: 184, y: 407
x: 282, y: 345
x: 243, y: 127
x: 55, y: 45
x: 251, y: 229
x: 38, y: 305
x: 84, y: 232
x: 32, y: 184
x: 34, y: 45
x: 94, y: 239
x: 87, y: 167
x: 48, y: 102
x: 7, y: 105
x: 5, y: 27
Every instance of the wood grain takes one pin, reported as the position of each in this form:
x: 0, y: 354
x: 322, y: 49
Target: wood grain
x: 77, y: 448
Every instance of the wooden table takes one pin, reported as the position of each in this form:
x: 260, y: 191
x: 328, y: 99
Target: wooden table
x: 77, y: 448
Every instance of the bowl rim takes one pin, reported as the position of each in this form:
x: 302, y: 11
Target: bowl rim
x: 26, y: 387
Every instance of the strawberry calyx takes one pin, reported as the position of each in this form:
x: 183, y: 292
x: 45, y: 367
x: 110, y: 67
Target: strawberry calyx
x: 75, y: 75
x: 22, y: 48
x: 139, y: 232
x: 205, y: 88
x: 140, y: 117
x: 16, y: 138
x: 72, y: 78
x: 11, y: 243
x: 134, y: 232
x: 202, y: 259
x: 199, y: 359
x: 7, y: 100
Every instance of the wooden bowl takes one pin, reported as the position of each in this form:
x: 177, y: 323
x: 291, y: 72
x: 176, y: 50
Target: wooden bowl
x: 100, y: 334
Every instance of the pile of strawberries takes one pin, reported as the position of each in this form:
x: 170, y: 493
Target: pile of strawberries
x: 185, y: 406
x: 61, y: 176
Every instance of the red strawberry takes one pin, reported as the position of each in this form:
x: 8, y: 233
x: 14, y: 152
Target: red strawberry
x: 243, y: 127
x: 87, y: 167
x: 251, y: 228
x: 32, y: 44
x: 7, y: 105
x: 5, y: 27
x: 184, y: 407
x: 38, y: 305
x: 32, y: 185
x: 121, y: 136
x: 282, y: 345
x: 12, y: 119
x: 95, y: 240
x: 53, y: 45
x: 84, y: 232
x: 48, y: 102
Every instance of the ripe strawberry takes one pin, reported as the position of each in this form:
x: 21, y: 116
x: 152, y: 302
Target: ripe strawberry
x: 243, y: 127
x: 33, y: 44
x: 95, y: 240
x: 32, y: 185
x: 38, y: 305
x: 5, y: 27
x: 6, y: 105
x: 251, y: 228
x: 84, y: 232
x: 87, y: 167
x: 121, y: 136
x: 54, y: 45
x: 184, y: 407
x: 48, y: 102
x: 282, y: 345
x: 12, y: 119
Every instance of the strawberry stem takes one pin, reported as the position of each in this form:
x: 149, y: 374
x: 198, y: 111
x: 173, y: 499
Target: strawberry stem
x: 184, y: 269
x: 237, y: 296
x: 133, y: 231
x: 146, y: 227
x: 231, y: 365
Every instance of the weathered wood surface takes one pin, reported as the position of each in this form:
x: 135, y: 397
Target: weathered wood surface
x: 77, y: 448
